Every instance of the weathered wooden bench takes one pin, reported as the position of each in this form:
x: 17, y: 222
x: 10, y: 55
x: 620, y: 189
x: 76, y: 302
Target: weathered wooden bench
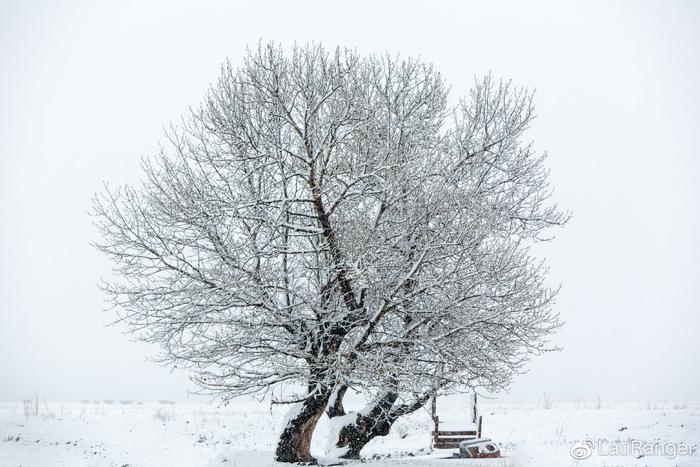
x: 450, y: 439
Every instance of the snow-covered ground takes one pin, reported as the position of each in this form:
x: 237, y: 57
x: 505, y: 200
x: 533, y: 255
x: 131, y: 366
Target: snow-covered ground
x: 243, y: 434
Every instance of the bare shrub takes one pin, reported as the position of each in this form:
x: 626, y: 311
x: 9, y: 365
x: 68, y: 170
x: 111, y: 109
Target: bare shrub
x: 547, y: 401
x: 31, y: 406
x: 164, y: 415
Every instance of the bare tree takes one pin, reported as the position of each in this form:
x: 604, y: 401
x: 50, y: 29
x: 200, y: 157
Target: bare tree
x: 474, y: 318
x: 327, y: 220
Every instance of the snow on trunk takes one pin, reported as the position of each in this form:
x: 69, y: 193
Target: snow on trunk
x: 295, y: 439
x: 335, y: 426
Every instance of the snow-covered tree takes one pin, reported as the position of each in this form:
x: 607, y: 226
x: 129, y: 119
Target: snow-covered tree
x: 327, y: 220
x: 473, y: 318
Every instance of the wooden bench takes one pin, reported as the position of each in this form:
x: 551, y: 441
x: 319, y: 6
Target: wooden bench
x: 450, y: 439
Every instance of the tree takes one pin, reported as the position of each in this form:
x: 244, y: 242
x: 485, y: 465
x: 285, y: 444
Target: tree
x: 484, y: 336
x: 324, y: 220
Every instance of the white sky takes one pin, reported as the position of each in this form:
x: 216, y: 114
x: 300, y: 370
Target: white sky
x: 85, y: 89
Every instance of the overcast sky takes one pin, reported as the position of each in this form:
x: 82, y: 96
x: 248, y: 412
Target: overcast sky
x: 86, y: 88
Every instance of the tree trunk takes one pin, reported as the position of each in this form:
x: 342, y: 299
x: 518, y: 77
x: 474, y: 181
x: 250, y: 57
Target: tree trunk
x: 375, y: 420
x: 335, y: 404
x: 295, y: 441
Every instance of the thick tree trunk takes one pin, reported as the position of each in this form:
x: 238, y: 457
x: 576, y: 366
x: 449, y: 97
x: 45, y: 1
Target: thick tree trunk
x: 295, y: 441
x: 375, y: 420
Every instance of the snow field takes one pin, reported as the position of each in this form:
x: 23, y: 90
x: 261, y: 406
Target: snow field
x: 151, y: 434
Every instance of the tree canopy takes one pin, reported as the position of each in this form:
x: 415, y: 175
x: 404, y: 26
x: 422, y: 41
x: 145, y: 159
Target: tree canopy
x: 329, y: 220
